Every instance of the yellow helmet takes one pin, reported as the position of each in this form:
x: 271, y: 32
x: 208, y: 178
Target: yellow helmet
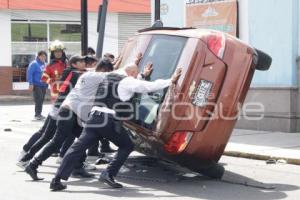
x: 56, y: 45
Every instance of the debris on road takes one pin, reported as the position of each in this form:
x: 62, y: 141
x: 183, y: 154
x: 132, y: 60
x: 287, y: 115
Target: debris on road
x: 271, y: 161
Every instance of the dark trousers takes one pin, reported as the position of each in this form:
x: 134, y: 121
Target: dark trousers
x: 66, y: 145
x: 39, y: 96
x: 47, y: 133
x: 36, y: 136
x: 95, y: 147
x: 112, y: 130
x: 66, y: 126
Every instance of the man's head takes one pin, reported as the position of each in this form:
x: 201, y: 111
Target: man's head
x: 132, y: 70
x: 90, y: 51
x: 90, y: 61
x: 42, y: 56
x: 110, y: 57
x: 104, y: 65
x: 77, y: 62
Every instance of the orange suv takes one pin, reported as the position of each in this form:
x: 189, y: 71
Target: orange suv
x: 191, y: 122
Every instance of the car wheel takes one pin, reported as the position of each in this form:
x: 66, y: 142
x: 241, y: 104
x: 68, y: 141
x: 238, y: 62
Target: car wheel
x: 264, y: 61
x: 214, y: 171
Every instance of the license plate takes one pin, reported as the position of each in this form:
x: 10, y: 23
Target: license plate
x: 203, y: 91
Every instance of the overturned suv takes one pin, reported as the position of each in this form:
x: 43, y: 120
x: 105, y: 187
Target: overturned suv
x: 190, y: 123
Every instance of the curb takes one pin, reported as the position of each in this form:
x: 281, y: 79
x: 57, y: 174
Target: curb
x: 292, y: 161
x: 20, y: 100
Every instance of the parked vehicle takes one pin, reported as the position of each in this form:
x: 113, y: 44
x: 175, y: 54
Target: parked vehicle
x: 191, y: 123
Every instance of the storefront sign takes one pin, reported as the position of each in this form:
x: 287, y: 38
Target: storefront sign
x: 217, y: 15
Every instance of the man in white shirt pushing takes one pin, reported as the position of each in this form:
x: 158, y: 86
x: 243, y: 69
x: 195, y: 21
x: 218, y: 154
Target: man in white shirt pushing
x: 113, y: 104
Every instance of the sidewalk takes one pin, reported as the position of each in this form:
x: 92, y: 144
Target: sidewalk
x: 19, y: 99
x: 264, y: 145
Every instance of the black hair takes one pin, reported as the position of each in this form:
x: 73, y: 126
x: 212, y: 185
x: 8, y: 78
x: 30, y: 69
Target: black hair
x: 42, y: 52
x: 91, y: 51
x: 90, y: 59
x: 109, y: 55
x: 104, y: 64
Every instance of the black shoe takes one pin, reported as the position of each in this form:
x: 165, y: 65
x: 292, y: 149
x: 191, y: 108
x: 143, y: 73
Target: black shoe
x: 93, y: 153
x: 56, y: 185
x: 39, y: 117
x: 81, y: 173
x: 106, y: 178
x: 102, y: 161
x: 107, y: 150
x: 32, y: 173
x: 55, y: 155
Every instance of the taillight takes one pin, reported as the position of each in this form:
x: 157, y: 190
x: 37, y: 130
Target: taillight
x: 178, y: 142
x: 216, y: 43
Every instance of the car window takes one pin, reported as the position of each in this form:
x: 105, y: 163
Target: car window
x: 134, y: 46
x: 164, y: 52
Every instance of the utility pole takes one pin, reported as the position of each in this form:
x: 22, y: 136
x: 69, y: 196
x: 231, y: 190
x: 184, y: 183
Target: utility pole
x: 101, y: 27
x: 84, y: 27
x: 157, y: 10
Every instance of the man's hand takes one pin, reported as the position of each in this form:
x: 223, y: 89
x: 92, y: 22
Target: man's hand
x: 138, y: 58
x: 30, y: 88
x: 176, y: 75
x: 148, y: 69
x: 117, y: 62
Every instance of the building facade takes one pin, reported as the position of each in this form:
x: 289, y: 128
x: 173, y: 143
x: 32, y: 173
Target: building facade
x: 272, y: 26
x: 30, y: 26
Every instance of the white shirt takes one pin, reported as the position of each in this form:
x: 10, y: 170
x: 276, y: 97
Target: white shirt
x: 81, y: 99
x: 129, y: 85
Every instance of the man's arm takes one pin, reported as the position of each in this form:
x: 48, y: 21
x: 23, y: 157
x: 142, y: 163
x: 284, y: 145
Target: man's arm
x: 46, y: 78
x: 30, y: 73
x: 141, y: 86
x: 129, y: 85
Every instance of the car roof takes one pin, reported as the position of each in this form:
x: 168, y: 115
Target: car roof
x: 188, y: 32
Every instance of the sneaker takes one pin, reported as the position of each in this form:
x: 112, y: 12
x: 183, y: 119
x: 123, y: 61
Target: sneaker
x: 22, y: 164
x: 56, y: 185
x: 81, y: 173
x: 59, y: 160
x: 21, y: 155
x: 109, y: 180
x: 88, y: 166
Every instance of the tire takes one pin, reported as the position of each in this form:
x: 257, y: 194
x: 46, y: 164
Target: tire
x: 264, y: 61
x: 214, y: 171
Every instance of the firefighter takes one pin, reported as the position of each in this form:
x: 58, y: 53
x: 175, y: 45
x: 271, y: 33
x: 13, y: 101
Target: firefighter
x: 53, y: 71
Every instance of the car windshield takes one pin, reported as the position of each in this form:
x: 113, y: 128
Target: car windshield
x: 163, y: 52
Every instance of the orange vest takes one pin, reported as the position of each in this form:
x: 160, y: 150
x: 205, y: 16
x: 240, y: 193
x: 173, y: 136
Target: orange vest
x: 52, y: 75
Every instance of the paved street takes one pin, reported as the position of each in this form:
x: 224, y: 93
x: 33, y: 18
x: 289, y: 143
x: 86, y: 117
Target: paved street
x: 143, y: 177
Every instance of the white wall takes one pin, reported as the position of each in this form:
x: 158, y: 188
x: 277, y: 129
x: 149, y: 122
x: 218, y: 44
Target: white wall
x: 45, y: 15
x: 174, y: 15
x: 5, y: 38
x: 244, y: 20
x: 111, y: 32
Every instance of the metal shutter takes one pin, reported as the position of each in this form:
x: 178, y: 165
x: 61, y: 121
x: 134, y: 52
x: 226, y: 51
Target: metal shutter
x: 129, y: 24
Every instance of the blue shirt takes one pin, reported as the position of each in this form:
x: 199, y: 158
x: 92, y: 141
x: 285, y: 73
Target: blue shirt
x: 34, y: 73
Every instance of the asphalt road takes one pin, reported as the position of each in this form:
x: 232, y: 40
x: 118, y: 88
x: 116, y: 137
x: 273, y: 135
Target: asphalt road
x: 143, y: 177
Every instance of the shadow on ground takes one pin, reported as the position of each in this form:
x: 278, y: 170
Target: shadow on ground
x: 150, y: 178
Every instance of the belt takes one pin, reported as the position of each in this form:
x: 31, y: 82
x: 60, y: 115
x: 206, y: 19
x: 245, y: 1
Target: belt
x: 103, y: 110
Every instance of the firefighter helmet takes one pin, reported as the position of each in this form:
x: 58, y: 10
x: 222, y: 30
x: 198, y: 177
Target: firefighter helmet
x: 57, y: 45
